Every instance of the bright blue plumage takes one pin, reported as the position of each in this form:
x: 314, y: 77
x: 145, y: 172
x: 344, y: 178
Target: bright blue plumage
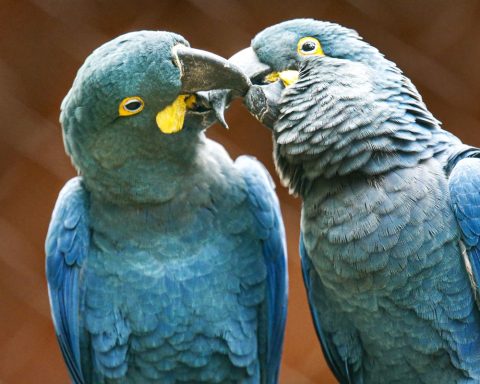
x: 67, y: 248
x: 464, y: 186
x: 391, y: 206
x: 316, y: 291
x: 265, y: 207
x: 165, y: 260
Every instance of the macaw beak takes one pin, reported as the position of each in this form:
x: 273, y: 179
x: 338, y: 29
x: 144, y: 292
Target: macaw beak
x: 250, y: 64
x: 202, y: 74
x: 251, y: 69
x: 263, y: 99
x: 205, y: 71
x: 258, y: 72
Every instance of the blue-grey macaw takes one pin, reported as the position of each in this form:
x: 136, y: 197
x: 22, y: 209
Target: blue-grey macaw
x: 391, y: 205
x: 165, y: 259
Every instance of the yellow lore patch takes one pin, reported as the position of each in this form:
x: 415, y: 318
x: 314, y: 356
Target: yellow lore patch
x: 170, y: 119
x: 288, y: 77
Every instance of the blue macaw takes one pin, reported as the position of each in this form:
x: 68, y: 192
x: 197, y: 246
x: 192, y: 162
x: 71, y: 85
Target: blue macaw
x: 391, y: 205
x: 165, y: 260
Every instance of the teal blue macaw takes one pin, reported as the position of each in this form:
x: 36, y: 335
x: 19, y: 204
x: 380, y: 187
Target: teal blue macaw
x: 165, y: 259
x: 390, y: 223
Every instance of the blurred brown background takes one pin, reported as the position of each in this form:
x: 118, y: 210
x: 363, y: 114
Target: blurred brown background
x: 42, y: 44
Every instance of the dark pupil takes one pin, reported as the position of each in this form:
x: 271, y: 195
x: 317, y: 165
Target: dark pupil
x: 133, y: 105
x: 308, y: 46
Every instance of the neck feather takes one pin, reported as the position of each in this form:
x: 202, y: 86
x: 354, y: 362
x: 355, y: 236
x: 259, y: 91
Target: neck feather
x: 343, y: 118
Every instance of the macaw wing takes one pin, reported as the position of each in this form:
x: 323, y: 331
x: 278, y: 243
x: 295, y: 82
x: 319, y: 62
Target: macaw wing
x: 464, y: 186
x: 266, y: 209
x: 66, y: 250
x: 313, y: 285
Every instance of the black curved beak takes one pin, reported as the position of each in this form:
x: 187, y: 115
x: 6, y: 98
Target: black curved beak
x: 248, y: 61
x: 204, y: 71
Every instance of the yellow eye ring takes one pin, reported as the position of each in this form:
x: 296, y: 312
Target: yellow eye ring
x: 309, y: 46
x: 131, y: 106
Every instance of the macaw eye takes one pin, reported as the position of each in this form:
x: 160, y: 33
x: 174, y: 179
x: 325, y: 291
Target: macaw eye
x: 309, y: 46
x: 131, y: 106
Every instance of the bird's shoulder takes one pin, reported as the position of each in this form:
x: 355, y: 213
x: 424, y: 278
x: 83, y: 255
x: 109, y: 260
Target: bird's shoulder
x: 68, y: 232
x: 258, y: 181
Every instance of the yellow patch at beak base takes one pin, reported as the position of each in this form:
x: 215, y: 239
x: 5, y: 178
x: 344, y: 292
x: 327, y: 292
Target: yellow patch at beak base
x: 170, y: 119
x: 288, y: 77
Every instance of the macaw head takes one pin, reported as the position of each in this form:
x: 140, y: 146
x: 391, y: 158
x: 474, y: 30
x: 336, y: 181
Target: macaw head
x: 278, y: 54
x: 335, y: 104
x: 286, y: 45
x: 136, y: 109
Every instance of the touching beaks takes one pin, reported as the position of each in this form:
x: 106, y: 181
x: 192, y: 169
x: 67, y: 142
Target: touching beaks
x: 216, y: 81
x: 209, y: 77
x: 200, y: 72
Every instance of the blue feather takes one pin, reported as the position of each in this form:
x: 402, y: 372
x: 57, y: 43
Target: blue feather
x: 464, y: 185
x: 66, y: 249
x: 266, y: 209
x: 339, y: 368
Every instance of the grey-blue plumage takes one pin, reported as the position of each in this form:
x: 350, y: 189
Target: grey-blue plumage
x: 165, y: 259
x: 391, y: 207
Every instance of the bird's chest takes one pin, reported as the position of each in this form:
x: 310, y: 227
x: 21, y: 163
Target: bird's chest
x: 178, y: 301
x: 174, y: 287
x: 370, y: 238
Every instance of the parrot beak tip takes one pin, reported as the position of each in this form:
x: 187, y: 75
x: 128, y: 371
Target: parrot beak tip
x: 219, y: 106
x: 218, y: 102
